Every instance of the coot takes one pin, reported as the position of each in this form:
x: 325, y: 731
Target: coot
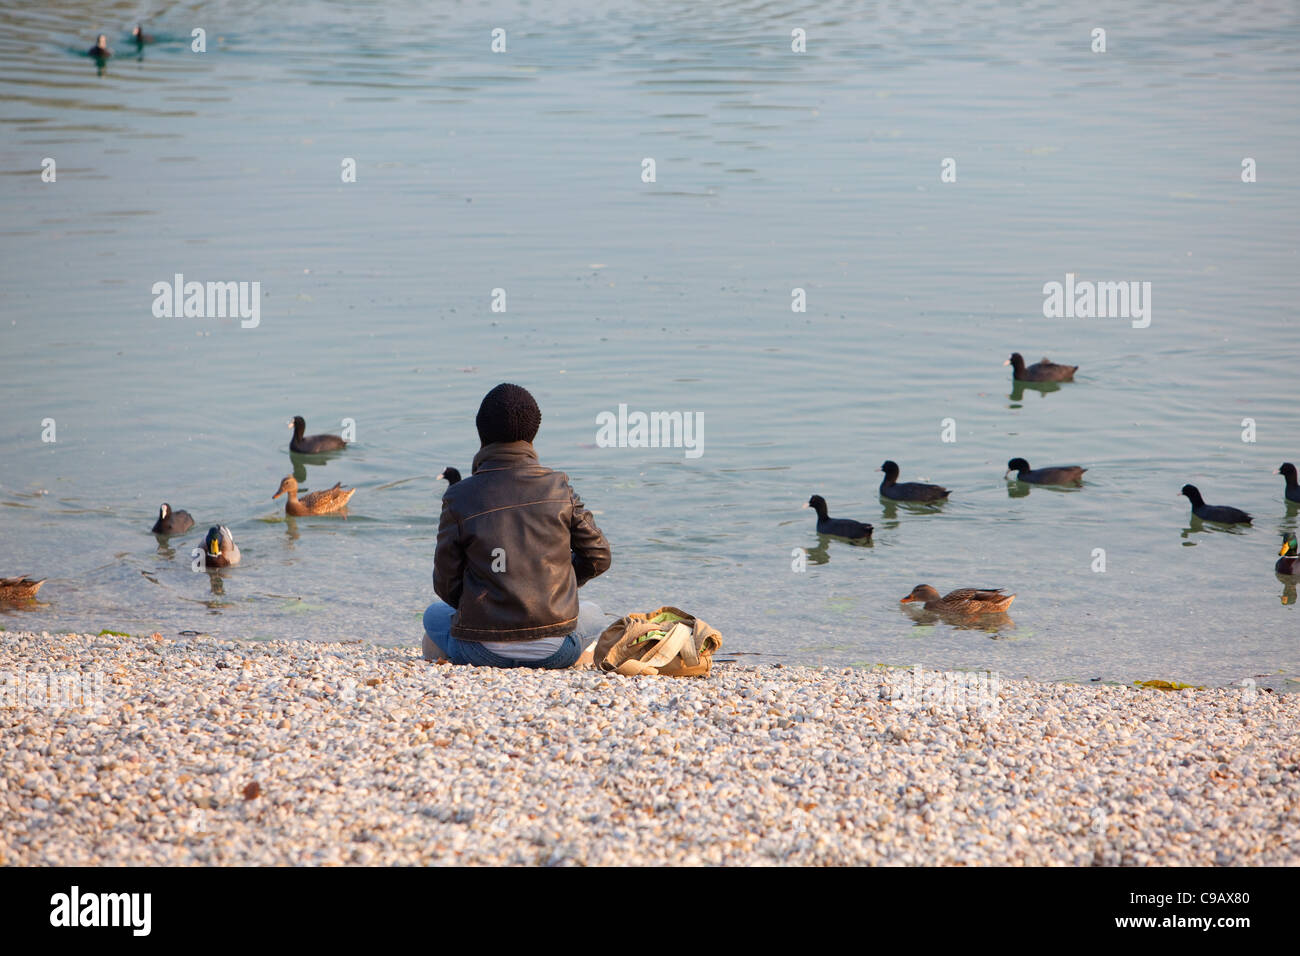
x: 1292, y: 486
x: 1044, y: 371
x: 1060, y: 475
x: 839, y: 527
x: 172, y: 522
x: 908, y: 490
x: 1220, y: 513
x: 312, y: 444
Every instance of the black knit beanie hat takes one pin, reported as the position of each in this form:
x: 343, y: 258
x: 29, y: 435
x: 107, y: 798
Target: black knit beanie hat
x: 508, y: 413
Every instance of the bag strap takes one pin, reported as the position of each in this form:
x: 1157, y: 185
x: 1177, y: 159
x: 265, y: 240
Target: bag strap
x: 670, y: 646
x: 691, y: 649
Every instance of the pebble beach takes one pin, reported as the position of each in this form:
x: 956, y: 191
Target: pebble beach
x: 156, y: 750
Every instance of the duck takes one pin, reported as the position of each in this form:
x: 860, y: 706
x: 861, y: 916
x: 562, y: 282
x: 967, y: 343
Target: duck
x: 838, y: 527
x: 449, y: 475
x: 1059, y: 475
x: 1289, y: 563
x: 140, y: 37
x: 1287, y: 470
x: 1223, y: 514
x: 909, y: 490
x: 316, y: 503
x: 1044, y: 371
x: 100, y: 49
x: 16, y: 589
x: 961, y: 601
x: 219, y: 550
x: 312, y: 444
x: 172, y: 522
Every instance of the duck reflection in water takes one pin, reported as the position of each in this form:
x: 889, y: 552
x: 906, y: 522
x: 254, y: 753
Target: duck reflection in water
x: 1019, y: 388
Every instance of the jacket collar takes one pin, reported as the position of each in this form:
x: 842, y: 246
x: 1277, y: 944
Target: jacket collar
x: 504, y: 454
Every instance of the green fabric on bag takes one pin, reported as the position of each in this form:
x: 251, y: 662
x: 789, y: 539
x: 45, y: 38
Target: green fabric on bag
x: 665, y: 617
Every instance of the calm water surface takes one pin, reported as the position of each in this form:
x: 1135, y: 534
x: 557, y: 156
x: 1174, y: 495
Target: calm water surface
x: 775, y: 171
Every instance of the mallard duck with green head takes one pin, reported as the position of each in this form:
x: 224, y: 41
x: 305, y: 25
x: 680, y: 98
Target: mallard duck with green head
x: 1289, y: 563
x: 219, y: 549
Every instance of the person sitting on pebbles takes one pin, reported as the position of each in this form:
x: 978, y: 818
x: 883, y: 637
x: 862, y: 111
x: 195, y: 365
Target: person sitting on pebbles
x: 514, y: 545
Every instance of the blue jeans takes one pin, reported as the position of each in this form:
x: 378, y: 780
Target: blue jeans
x: 438, y: 641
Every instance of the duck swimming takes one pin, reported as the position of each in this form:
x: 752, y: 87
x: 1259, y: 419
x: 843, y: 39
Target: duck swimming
x: 1287, y: 470
x: 1060, y: 475
x: 219, y: 550
x: 1223, y: 514
x: 449, y: 475
x: 838, y: 527
x: 316, y: 503
x: 18, y: 589
x: 172, y: 522
x: 961, y: 601
x: 312, y: 444
x: 100, y: 49
x: 908, y: 490
x: 140, y: 37
x: 1044, y: 371
x: 1289, y: 563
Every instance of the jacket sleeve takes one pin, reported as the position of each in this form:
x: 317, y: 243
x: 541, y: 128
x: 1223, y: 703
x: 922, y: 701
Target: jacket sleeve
x: 449, y: 559
x: 590, y: 550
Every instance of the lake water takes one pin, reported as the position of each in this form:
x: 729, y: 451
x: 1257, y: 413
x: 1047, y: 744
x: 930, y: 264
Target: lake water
x: 774, y: 171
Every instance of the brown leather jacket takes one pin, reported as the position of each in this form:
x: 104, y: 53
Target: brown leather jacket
x: 514, y: 545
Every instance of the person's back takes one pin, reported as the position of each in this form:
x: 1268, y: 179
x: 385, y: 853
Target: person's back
x: 514, y: 545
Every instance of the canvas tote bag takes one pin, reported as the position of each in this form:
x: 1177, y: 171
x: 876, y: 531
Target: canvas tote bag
x: 668, y: 642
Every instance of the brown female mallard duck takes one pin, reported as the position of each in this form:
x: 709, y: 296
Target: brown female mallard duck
x: 316, y: 503
x: 14, y: 590
x: 1289, y: 563
x: 961, y: 601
